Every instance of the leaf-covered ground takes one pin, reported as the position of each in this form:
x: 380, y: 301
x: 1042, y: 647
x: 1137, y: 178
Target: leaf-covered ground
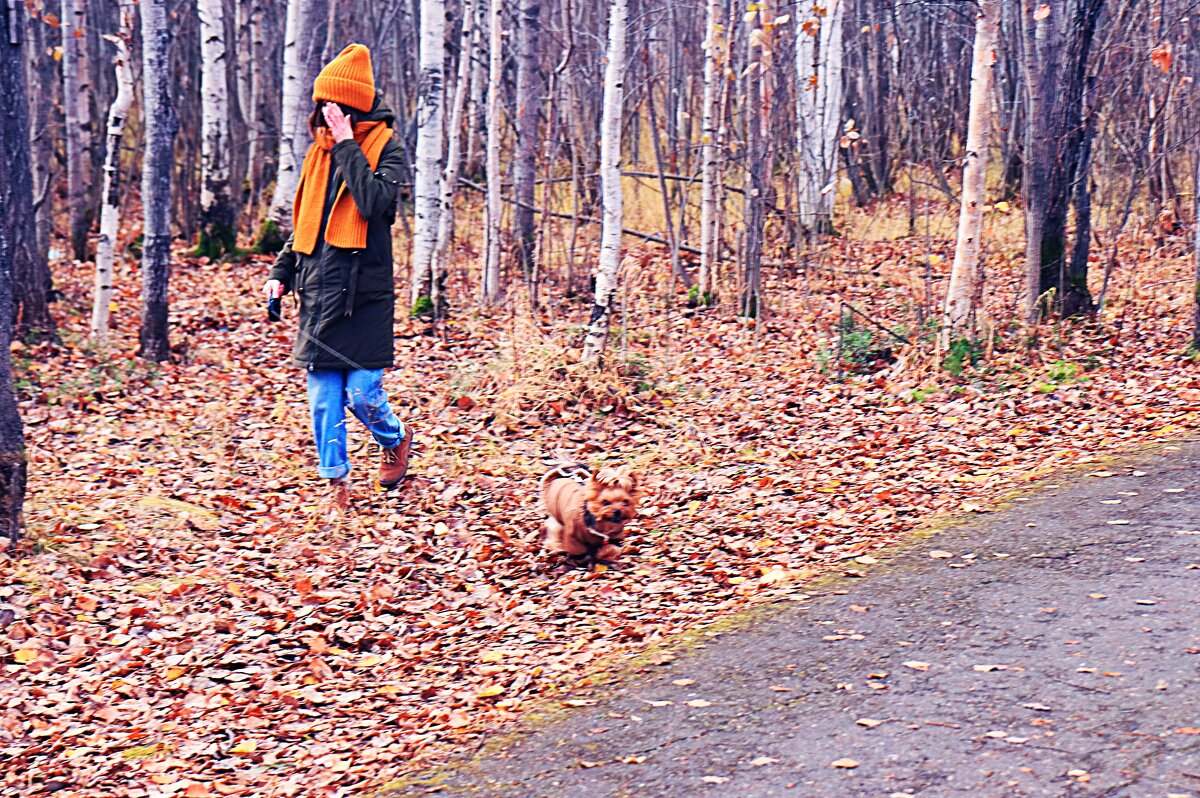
x: 181, y: 621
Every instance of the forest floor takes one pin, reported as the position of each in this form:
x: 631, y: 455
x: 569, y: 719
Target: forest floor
x: 1048, y: 650
x: 180, y: 621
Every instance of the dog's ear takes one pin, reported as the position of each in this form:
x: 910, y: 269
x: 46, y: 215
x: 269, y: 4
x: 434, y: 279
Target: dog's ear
x: 632, y: 481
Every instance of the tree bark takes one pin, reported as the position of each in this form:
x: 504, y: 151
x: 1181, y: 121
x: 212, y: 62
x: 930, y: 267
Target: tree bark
x: 490, y: 292
x: 160, y: 125
x: 217, y: 212
x: 528, y: 101
x: 110, y: 200
x: 714, y: 47
x: 29, y: 280
x: 610, y: 186
x: 818, y: 110
x: 960, y: 297
x: 445, y: 225
x: 293, y: 132
x: 750, y: 304
x: 427, y: 183
x: 77, y: 124
x: 1059, y: 140
x: 17, y: 234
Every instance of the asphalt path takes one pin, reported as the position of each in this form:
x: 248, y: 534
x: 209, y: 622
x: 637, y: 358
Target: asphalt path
x: 1050, y: 649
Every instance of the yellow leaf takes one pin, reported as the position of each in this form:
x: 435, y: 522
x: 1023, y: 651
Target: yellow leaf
x: 244, y: 747
x: 492, y: 690
x: 174, y: 673
x: 495, y: 655
x: 23, y: 655
x: 368, y: 661
x: 1002, y: 207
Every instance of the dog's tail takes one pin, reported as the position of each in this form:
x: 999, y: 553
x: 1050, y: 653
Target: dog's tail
x: 562, y: 466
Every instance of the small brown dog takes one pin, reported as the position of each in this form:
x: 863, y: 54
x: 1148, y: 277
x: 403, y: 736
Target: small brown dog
x: 586, y: 513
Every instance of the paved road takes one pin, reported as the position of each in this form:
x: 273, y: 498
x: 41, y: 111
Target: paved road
x: 1059, y: 658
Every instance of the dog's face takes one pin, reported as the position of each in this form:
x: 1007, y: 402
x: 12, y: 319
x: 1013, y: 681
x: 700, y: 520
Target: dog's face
x: 611, y: 496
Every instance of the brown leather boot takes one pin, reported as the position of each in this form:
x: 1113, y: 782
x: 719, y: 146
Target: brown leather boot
x: 393, y: 463
x: 339, y: 499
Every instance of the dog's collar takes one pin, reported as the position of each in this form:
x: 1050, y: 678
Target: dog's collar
x: 589, y: 521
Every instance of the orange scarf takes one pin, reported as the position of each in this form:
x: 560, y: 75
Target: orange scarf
x: 346, y: 228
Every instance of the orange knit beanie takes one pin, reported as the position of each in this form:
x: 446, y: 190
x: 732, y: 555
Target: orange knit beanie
x: 348, y: 79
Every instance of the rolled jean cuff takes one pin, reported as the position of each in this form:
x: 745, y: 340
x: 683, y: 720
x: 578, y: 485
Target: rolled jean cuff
x: 333, y: 472
x: 393, y: 441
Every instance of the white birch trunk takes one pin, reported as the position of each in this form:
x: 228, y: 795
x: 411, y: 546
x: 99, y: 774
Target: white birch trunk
x: 77, y: 130
x: 962, y: 293
x: 475, y: 114
x: 216, y: 206
x: 818, y: 109
x: 491, y: 263
x: 445, y: 223
x: 159, y: 126
x: 428, y: 166
x: 610, y: 185
x: 709, y: 146
x: 110, y: 202
x: 293, y: 138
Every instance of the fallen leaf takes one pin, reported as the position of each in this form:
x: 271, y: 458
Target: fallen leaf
x: 846, y: 763
x: 699, y: 703
x: 870, y: 723
x: 916, y: 665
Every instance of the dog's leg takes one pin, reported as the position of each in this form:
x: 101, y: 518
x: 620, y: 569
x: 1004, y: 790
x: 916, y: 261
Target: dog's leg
x: 552, y: 534
x: 608, y: 553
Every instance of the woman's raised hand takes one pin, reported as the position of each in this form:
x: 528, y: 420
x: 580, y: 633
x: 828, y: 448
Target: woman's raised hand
x: 339, y: 123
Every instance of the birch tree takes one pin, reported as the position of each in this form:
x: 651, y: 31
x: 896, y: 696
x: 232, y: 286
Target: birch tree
x: 77, y: 125
x: 963, y: 293
x: 445, y: 226
x: 528, y: 102
x: 16, y: 192
x: 110, y: 206
x: 610, y: 185
x: 217, y: 214
x: 158, y: 163
x: 490, y: 292
x: 713, y: 47
x: 293, y: 135
x: 427, y: 183
x: 756, y: 178
x: 818, y: 109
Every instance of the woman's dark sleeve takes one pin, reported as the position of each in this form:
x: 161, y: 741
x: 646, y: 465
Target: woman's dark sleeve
x: 374, y: 192
x: 284, y: 269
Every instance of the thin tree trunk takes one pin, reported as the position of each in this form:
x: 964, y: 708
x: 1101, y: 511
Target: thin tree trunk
x: 528, y: 101
x: 751, y: 299
x: 960, y: 297
x: 18, y: 238
x: 818, y: 111
x: 445, y: 228
x: 77, y: 125
x: 110, y: 201
x: 29, y: 280
x: 427, y: 183
x: 713, y: 73
x: 1196, y: 257
x: 610, y: 186
x: 159, y: 126
x: 477, y: 116
x: 491, y: 264
x: 217, y: 213
x: 293, y: 137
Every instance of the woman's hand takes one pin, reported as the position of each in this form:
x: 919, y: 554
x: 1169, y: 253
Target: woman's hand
x: 273, y: 289
x: 339, y: 123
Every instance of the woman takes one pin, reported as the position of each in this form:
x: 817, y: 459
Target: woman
x: 338, y: 262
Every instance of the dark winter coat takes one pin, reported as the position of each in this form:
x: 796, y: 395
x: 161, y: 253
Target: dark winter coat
x: 347, y: 298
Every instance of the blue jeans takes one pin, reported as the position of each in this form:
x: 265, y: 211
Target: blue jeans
x: 330, y: 392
